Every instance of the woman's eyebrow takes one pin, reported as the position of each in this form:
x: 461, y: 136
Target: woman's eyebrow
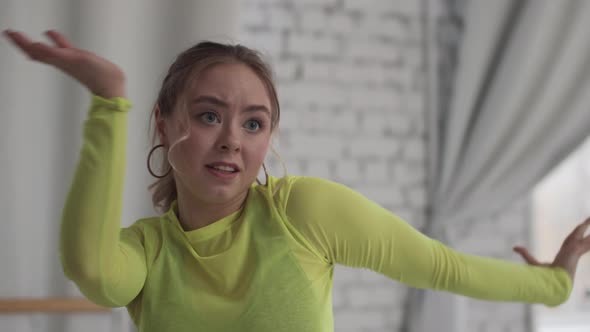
x: 211, y: 100
x: 257, y: 108
x: 218, y: 102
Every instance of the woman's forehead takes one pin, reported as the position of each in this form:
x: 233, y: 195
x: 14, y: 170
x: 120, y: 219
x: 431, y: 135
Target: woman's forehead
x: 229, y: 82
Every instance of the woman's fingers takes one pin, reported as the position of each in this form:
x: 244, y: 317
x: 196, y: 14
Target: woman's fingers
x: 578, y: 232
x: 527, y: 257
x: 576, y: 240
x: 35, y: 50
x: 573, y: 247
x: 581, y: 229
x: 19, y: 39
x: 586, y: 244
x: 99, y: 75
x: 58, y: 39
x: 43, y: 52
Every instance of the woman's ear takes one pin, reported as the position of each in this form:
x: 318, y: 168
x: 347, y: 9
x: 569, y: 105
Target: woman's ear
x: 161, y: 127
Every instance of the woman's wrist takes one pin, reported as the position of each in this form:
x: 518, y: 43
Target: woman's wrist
x: 111, y: 92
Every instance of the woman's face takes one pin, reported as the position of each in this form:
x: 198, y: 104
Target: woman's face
x: 229, y: 118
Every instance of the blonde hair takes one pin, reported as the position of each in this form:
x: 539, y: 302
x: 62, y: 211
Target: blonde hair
x: 183, y: 71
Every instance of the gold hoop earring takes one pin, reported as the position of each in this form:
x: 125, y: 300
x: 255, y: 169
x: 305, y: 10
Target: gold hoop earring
x: 265, y: 175
x: 148, y: 163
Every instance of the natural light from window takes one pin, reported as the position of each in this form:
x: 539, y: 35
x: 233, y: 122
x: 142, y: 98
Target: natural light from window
x: 560, y: 202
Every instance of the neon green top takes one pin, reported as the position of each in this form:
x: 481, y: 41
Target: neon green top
x: 268, y: 267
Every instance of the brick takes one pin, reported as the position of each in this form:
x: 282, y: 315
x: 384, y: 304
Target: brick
x: 405, y: 175
x: 399, y: 125
x: 369, y: 147
x: 415, y: 101
x: 316, y: 3
x: 343, y: 24
x: 375, y: 124
x: 403, y: 75
x: 348, y: 72
x: 262, y: 3
x: 419, y: 219
x: 369, y: 6
x: 393, y: 318
x: 407, y: 215
x: 374, y: 98
x: 412, y: 56
x: 313, y: 20
x: 370, y: 73
x: 369, y: 276
x: 382, y: 194
x: 286, y: 70
x: 338, y: 298
x: 268, y: 43
x: 281, y: 18
x: 312, y: 45
x: 417, y: 197
x: 319, y: 168
x: 377, y: 172
x: 385, y: 26
x: 414, y: 150
x: 363, y: 297
x: 324, y: 147
x: 311, y: 93
x: 407, y: 7
x: 418, y: 128
x: 322, y: 71
x: 254, y: 18
x: 345, y: 274
x: 347, y: 170
x: 354, y: 320
x: 371, y: 50
x: 345, y: 122
x: 293, y: 166
x: 290, y: 118
x: 334, y: 23
x: 314, y: 119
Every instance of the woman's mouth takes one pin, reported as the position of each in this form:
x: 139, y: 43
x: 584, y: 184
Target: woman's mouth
x: 224, y: 172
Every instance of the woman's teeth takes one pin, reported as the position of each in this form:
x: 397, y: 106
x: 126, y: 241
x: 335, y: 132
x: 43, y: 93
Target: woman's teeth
x: 224, y: 169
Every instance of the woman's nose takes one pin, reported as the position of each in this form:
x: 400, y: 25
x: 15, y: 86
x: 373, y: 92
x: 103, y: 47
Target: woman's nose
x: 229, y: 140
x: 229, y: 146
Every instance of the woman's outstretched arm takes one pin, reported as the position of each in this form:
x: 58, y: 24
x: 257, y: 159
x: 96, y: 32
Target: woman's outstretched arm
x: 349, y: 229
x: 107, y: 263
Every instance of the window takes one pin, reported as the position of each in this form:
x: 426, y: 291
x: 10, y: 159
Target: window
x: 560, y: 202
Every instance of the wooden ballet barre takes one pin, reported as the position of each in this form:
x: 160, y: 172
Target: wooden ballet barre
x: 49, y: 305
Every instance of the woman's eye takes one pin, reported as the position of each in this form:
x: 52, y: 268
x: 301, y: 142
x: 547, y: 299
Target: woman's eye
x: 209, y: 117
x: 253, y: 125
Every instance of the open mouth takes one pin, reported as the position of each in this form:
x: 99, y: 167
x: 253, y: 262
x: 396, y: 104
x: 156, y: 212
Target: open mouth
x: 223, y: 169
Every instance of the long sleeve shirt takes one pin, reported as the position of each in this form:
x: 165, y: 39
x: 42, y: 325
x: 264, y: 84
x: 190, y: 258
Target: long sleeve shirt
x: 267, y: 267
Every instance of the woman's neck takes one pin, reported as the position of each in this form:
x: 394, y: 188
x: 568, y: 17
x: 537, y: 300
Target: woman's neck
x: 194, y: 213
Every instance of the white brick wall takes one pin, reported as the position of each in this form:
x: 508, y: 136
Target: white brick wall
x: 349, y: 82
x: 351, y: 85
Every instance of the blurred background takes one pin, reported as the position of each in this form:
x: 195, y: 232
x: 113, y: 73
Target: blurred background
x: 467, y: 118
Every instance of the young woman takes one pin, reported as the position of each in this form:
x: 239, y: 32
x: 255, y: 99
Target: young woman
x: 229, y: 253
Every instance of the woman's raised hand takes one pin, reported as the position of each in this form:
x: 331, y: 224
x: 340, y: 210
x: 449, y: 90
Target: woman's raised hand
x: 574, y: 246
x: 100, y: 76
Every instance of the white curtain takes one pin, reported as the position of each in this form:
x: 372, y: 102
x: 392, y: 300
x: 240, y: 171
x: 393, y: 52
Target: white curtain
x: 520, y: 104
x: 41, y: 128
